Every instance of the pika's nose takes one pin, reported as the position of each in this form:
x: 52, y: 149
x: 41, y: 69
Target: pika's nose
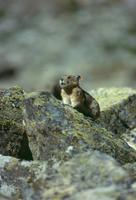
x: 61, y: 81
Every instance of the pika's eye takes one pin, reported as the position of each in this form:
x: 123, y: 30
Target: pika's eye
x: 69, y: 77
x: 78, y: 77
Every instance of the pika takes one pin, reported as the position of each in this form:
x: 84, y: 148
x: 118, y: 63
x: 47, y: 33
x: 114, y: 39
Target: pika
x: 72, y: 94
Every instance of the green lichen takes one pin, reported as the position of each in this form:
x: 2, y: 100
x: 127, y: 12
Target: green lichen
x: 108, y: 97
x: 85, y: 172
x: 11, y: 121
x: 118, y: 109
x: 54, y: 129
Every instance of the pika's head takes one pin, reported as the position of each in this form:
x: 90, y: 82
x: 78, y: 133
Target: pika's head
x: 69, y: 81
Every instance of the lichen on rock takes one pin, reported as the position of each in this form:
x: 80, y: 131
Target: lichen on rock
x: 63, y: 144
x: 54, y: 128
x: 11, y: 120
x: 12, y: 130
x: 118, y: 106
x: 91, y: 171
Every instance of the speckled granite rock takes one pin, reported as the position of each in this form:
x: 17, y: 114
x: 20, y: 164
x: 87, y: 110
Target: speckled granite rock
x: 13, y: 139
x: 88, y: 173
x: 56, y: 132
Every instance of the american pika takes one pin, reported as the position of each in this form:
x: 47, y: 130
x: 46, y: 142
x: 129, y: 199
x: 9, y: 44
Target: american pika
x: 72, y: 94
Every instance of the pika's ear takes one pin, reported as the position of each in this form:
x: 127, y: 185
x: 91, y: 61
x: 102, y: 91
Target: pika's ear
x: 79, y: 77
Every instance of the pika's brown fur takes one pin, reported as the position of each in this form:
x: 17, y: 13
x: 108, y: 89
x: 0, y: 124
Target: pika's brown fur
x: 72, y: 94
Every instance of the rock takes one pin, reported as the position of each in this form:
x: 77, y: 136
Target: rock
x: 104, y: 193
x: 131, y: 168
x: 3, y: 197
x: 57, y: 132
x: 12, y: 131
x: 63, y: 144
x: 94, y: 168
x: 118, y: 106
x: 88, y: 173
x: 130, y: 137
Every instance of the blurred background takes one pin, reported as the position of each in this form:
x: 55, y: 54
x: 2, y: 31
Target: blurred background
x: 42, y: 39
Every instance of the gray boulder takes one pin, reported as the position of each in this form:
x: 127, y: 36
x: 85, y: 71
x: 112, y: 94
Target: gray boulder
x: 63, y: 144
x: 118, y: 109
x: 56, y: 131
x: 90, y: 173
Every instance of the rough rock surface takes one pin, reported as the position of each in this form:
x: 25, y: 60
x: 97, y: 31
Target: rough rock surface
x: 11, y: 120
x: 12, y: 131
x: 63, y: 144
x: 118, y: 106
x: 131, y: 168
x: 90, y: 173
x: 3, y: 197
x: 57, y: 132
